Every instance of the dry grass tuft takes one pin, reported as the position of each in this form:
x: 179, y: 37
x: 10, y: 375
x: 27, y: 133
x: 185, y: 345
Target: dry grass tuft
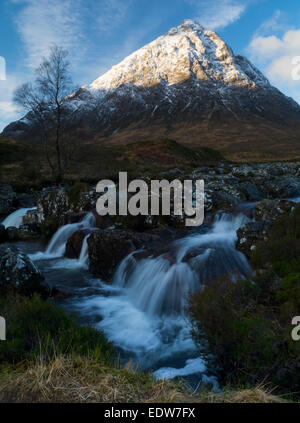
x: 81, y: 380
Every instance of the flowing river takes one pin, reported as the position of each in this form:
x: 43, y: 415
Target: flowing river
x: 143, y: 310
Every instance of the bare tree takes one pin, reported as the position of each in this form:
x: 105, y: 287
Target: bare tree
x: 46, y: 103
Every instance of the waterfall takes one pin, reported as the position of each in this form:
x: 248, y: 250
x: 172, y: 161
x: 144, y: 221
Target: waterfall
x: 84, y: 253
x: 158, y: 286
x: 16, y: 218
x: 57, y: 245
x: 143, y: 310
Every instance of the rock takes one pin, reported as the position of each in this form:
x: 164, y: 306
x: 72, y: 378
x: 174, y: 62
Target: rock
x: 3, y: 234
x: 26, y: 200
x: 12, y: 233
x: 28, y: 231
x: 19, y: 275
x: 251, y: 191
x: 7, y: 199
x: 265, y: 213
x: 87, y: 200
x: 243, y: 171
x: 282, y: 187
x: 107, y: 248
x: 74, y: 244
x: 269, y: 210
x: 72, y: 218
x: 103, y: 222
x: 31, y: 217
x: 52, y: 203
x: 250, y: 234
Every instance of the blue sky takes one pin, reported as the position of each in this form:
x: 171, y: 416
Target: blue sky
x: 100, y: 33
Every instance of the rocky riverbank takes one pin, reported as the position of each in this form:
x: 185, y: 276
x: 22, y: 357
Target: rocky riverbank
x: 269, y: 186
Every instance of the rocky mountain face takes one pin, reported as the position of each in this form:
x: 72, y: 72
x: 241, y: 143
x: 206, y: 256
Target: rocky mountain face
x: 187, y: 84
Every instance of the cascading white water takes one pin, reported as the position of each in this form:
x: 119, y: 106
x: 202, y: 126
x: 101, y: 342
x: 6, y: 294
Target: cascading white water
x: 158, y: 286
x: 57, y: 244
x: 16, y: 218
x: 143, y: 311
x: 84, y: 253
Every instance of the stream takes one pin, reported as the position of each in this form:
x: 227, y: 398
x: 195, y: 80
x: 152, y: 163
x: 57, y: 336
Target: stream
x: 143, y: 310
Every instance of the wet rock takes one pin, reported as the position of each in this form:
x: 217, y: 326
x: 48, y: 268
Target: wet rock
x: 52, y: 203
x: 72, y: 217
x: 28, y: 232
x: 103, y: 222
x: 87, y: 200
x: 3, y: 234
x: 107, y: 248
x: 19, y: 275
x: 251, y: 192
x: 250, y: 234
x: 282, y: 187
x: 12, y: 233
x: 270, y: 210
x: 243, y: 171
x: 74, y: 244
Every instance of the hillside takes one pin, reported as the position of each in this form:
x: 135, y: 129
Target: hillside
x: 187, y: 85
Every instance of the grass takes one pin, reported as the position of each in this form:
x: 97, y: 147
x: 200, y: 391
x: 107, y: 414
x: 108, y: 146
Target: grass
x: 85, y: 380
x: 48, y: 357
x: 22, y: 163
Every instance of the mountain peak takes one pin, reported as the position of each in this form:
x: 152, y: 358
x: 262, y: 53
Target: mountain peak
x: 187, y: 25
x: 188, y: 52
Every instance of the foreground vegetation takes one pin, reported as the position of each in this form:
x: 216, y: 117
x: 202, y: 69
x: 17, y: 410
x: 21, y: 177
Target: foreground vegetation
x: 48, y: 357
x: 248, y: 323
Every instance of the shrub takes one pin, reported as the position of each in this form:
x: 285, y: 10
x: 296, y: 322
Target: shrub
x: 250, y: 341
x: 75, y: 191
x: 247, y: 324
x: 37, y: 327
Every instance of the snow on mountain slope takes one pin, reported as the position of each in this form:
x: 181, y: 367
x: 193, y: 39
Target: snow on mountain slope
x: 187, y: 51
x: 188, y: 78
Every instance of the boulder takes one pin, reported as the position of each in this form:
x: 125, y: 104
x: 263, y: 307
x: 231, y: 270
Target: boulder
x: 53, y: 203
x: 74, y: 243
x: 12, y: 233
x: 107, y: 248
x: 251, y: 191
x: 3, y: 234
x: 250, y: 234
x: 72, y: 217
x: 270, y: 210
x: 28, y: 231
x: 19, y: 275
x: 282, y: 187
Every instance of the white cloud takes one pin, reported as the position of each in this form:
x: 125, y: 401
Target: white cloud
x: 68, y: 23
x: 219, y: 13
x: 275, y: 54
x: 277, y: 22
x: 72, y: 24
x: 45, y: 22
x: 8, y: 110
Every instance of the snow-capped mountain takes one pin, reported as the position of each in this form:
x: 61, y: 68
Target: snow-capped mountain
x: 188, y: 78
x: 186, y: 52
